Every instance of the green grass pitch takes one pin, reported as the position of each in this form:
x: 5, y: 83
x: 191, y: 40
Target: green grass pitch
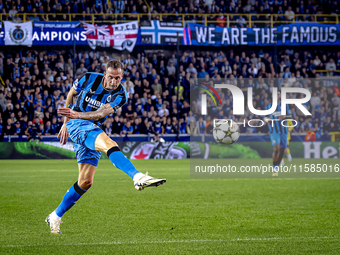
x: 184, y: 216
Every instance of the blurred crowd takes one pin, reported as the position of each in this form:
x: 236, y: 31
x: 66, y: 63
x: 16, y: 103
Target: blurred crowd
x: 260, y: 10
x: 258, y: 71
x: 37, y: 84
x: 285, y: 10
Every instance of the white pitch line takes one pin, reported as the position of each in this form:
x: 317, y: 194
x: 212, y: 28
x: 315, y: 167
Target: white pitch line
x: 174, y: 241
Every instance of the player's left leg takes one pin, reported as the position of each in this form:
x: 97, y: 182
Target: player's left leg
x: 275, y: 140
x: 283, y: 146
x: 276, y: 162
x: 105, y: 144
x: 281, y: 153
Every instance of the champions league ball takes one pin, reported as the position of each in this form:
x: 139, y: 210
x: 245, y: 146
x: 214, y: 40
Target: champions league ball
x: 225, y: 132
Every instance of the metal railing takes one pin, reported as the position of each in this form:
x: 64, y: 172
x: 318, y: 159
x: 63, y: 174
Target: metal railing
x: 247, y: 20
x: 328, y: 72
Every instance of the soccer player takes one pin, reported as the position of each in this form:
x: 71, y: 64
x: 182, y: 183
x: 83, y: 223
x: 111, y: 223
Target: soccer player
x: 278, y: 135
x: 98, y: 96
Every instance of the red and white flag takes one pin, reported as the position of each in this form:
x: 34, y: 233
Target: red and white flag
x: 120, y: 37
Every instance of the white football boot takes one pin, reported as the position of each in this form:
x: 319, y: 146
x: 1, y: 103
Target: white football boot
x: 53, y: 224
x: 275, y: 172
x: 147, y: 181
x: 289, y: 157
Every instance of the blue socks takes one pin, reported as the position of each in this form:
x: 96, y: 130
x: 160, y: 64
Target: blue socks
x: 121, y: 162
x: 276, y: 166
x: 75, y: 192
x: 70, y: 198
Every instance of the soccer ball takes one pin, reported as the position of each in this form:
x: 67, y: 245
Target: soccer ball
x: 225, y: 132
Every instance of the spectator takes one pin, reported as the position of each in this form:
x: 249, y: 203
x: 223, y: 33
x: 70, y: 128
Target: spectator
x: 157, y: 126
x: 221, y: 20
x: 287, y: 73
x: 38, y: 112
x: 253, y: 70
x: 310, y: 135
x: 173, y: 59
x: 157, y: 87
x: 3, y: 102
x: 127, y: 129
x: 306, y: 125
x: 81, y: 70
x: 108, y: 128
x: 289, y: 14
x: 191, y: 69
x: 119, y: 6
x: 128, y: 84
x: 201, y: 126
x: 317, y: 62
x: 61, y: 102
x: 179, y: 89
x: 9, y: 129
x: 330, y: 66
x: 137, y: 127
x: 192, y: 128
x: 168, y: 127
x: 163, y: 111
x: 171, y: 70
x: 12, y: 14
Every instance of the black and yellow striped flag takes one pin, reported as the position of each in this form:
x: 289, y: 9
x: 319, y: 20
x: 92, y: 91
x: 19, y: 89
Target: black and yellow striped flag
x: 2, y: 82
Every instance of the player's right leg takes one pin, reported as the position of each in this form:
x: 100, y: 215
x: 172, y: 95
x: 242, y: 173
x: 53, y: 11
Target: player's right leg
x: 73, y: 194
x: 107, y: 145
x: 287, y: 152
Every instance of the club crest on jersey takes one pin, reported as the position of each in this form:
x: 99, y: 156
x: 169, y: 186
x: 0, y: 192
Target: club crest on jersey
x: 108, y: 98
x: 93, y: 103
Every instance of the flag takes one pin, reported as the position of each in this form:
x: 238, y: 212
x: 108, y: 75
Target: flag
x: 121, y: 37
x: 186, y: 36
x: 161, y: 32
x: 2, y: 82
x: 18, y: 33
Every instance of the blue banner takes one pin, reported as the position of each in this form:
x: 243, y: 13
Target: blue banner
x: 165, y: 33
x: 58, y: 36
x: 290, y: 34
x: 54, y: 36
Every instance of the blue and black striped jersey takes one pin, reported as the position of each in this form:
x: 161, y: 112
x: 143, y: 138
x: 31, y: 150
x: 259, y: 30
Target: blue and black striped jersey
x: 92, y: 95
x: 275, y: 126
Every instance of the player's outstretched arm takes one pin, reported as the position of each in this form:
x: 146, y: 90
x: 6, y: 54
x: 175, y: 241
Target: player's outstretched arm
x: 96, y: 115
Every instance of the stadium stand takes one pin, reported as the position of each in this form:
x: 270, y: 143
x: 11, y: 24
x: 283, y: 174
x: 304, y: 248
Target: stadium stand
x: 221, y: 13
x: 37, y: 84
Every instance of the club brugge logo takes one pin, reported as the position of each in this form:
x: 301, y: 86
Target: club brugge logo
x: 108, y: 98
x: 18, y: 35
